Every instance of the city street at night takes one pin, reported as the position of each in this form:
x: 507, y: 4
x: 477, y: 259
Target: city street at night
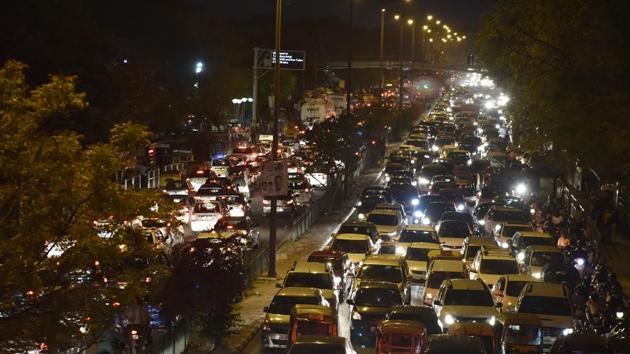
x: 314, y: 177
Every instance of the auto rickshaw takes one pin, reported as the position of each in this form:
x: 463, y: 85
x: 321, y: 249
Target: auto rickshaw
x: 521, y: 333
x: 312, y: 320
x: 394, y: 336
x: 483, y: 331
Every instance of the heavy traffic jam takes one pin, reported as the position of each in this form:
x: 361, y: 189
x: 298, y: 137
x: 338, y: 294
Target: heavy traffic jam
x: 455, y: 248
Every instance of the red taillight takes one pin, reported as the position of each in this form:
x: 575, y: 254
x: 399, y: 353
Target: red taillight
x: 230, y: 227
x: 200, y: 172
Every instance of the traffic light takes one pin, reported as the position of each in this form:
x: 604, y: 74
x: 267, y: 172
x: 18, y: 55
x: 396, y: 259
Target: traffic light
x: 151, y: 156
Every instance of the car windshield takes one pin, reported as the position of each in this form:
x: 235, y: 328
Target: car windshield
x: 468, y: 298
x: 350, y: 246
x: 418, y: 236
x: 454, y: 229
x: 536, y: 241
x: 509, y: 231
x: 472, y: 252
x: 152, y: 223
x: 173, y: 185
x: 544, y: 305
x: 208, y: 207
x: 417, y: 254
x: 282, y: 305
x: 498, y: 266
x: 511, y: 215
x: 352, y: 229
x: 220, y: 162
x: 436, y: 278
x: 539, y: 259
x: 379, y: 272
x: 523, y: 334
x: 209, y: 191
x: 383, y: 219
x: 298, y: 185
x: 309, y: 280
x: 377, y: 297
x: 318, y: 348
x: 514, y: 288
x: 428, y: 319
x: 243, y: 150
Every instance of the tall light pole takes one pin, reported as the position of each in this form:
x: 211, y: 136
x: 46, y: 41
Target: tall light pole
x: 274, y: 143
x: 382, y: 49
x: 422, y: 45
x: 400, y: 88
x: 413, y: 40
x: 349, y: 79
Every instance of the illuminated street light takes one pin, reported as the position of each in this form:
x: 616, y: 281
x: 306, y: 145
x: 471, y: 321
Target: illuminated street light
x: 425, y: 27
x: 437, y: 22
x: 430, y: 17
x: 396, y: 17
x: 199, y: 68
x: 410, y: 21
x: 431, y: 40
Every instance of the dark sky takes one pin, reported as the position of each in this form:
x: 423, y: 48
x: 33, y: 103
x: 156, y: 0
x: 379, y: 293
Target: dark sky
x: 459, y: 14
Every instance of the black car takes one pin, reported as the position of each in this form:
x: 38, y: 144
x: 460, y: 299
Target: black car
x: 358, y: 227
x: 371, y: 303
x: 423, y: 314
x: 368, y: 202
x: 405, y: 194
x: 434, y: 211
x: 459, y: 216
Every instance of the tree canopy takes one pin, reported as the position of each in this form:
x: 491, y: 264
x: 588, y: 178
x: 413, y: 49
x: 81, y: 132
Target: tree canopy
x: 565, y: 65
x: 68, y: 259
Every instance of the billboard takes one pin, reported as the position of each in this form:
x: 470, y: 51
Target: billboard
x: 289, y: 59
x: 273, y: 180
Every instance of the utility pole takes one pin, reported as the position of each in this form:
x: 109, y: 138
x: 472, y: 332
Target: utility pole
x: 381, y: 50
x: 413, y: 42
x: 255, y: 93
x: 274, y: 144
x: 400, y: 94
x: 346, y: 182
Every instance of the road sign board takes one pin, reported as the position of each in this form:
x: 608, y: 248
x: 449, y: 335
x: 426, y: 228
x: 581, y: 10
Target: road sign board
x: 273, y: 180
x: 289, y: 60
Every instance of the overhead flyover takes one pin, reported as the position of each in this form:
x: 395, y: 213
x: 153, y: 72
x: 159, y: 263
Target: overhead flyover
x: 389, y: 65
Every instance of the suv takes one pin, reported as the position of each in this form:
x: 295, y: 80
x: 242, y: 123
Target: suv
x: 464, y: 300
x: 385, y: 268
x: 440, y: 270
x: 551, y: 303
x: 275, y: 327
x: 370, y: 303
x: 388, y: 222
x: 412, y: 234
x: 505, y: 231
x: 312, y: 275
x: 452, y: 233
x: 490, y: 264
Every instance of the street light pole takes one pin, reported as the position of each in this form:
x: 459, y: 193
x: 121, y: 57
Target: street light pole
x: 349, y: 79
x: 274, y: 144
x: 413, y: 41
x: 381, y: 49
x: 400, y: 93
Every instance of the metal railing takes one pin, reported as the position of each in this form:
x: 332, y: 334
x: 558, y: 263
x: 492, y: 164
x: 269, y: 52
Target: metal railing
x: 172, y: 340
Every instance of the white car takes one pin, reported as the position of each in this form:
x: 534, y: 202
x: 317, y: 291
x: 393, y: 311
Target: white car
x: 301, y: 189
x: 490, y: 264
x: 503, y: 232
x: 417, y: 259
x: 356, y: 246
x: 508, y: 288
x: 464, y: 300
x: 204, y: 214
x: 388, y: 222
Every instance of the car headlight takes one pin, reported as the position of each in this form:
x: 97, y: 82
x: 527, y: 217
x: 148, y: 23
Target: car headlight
x: 426, y: 221
x: 532, y: 211
x: 337, y: 280
x: 492, y: 321
x: 400, y: 251
x: 387, y: 178
x: 579, y: 261
x: 460, y: 207
x: 356, y: 316
x: 359, y: 203
x: 361, y: 216
x: 504, y: 245
x: 435, y: 148
x: 429, y: 296
x: 415, y: 202
x: 423, y: 180
x: 266, y: 326
x: 449, y: 320
x: 567, y: 331
x: 619, y: 314
x: 520, y: 256
x: 537, y: 275
x: 481, y: 222
x: 521, y: 189
x: 497, y: 228
x: 417, y: 214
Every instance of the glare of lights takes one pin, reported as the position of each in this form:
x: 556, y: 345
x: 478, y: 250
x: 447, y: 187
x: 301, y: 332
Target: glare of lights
x: 382, y: 10
x: 425, y: 27
x: 410, y: 21
x: 429, y: 17
x: 199, y: 68
x: 396, y: 17
x: 438, y: 22
x: 431, y: 40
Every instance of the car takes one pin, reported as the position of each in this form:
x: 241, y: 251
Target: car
x: 356, y: 246
x: 551, y: 303
x: 439, y: 270
x: 312, y: 275
x: 236, y: 204
x: 534, y: 258
x: 497, y: 215
x: 387, y: 247
x: 523, y: 239
x: 434, y: 211
x: 198, y: 175
x: 369, y: 304
x: 242, y: 226
x: 389, y: 223
x: 427, y: 172
x: 275, y: 326
x: 309, y: 344
x: 210, y: 191
x: 462, y: 301
x: 285, y: 205
x: 417, y: 259
x: 339, y: 263
x: 220, y: 167
x: 384, y: 268
x: 301, y: 190
x: 384, y: 191
x: 367, y: 202
x: 415, y: 233
x: 176, y: 189
x: 392, y: 206
x: 504, y: 232
x: 508, y: 288
x: 204, y: 214
x: 460, y: 216
x: 405, y: 194
x: 490, y: 264
x: 359, y: 227
x: 422, y: 314
x: 472, y: 245
x: 452, y: 233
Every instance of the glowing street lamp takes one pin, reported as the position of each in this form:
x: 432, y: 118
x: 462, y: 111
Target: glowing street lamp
x: 430, y: 17
x: 198, y: 68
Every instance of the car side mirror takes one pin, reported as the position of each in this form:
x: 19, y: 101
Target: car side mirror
x: 350, y: 302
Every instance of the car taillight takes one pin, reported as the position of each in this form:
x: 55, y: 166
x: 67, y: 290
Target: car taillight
x: 266, y: 202
x: 290, y: 201
x: 193, y: 217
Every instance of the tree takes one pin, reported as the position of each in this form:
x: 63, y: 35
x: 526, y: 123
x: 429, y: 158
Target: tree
x: 564, y: 64
x: 65, y: 247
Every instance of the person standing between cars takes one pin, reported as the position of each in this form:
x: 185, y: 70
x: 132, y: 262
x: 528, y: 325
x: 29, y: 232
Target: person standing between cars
x: 564, y: 241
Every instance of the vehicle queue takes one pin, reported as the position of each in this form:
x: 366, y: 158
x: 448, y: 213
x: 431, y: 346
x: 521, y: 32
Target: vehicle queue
x: 455, y: 214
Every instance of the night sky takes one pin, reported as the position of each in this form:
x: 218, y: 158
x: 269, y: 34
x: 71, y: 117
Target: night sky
x: 459, y: 14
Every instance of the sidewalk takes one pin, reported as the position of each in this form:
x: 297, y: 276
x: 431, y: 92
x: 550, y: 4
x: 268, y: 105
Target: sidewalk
x: 264, y: 288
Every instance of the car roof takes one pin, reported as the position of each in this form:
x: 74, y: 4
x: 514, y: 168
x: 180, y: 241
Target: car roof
x: 447, y: 265
x: 506, y: 209
x: 546, y: 290
x: 309, y: 267
x: 385, y: 212
x: 419, y: 228
x: 356, y: 237
x: 412, y: 309
x: 398, y: 327
x: 521, y: 277
x: 533, y: 234
x: 467, y: 284
x: 480, y: 241
x: 312, y: 339
x: 297, y: 292
x: 377, y: 285
x: 424, y: 245
x: 357, y: 223
x: 382, y: 259
x: 452, y: 343
x: 548, y: 249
